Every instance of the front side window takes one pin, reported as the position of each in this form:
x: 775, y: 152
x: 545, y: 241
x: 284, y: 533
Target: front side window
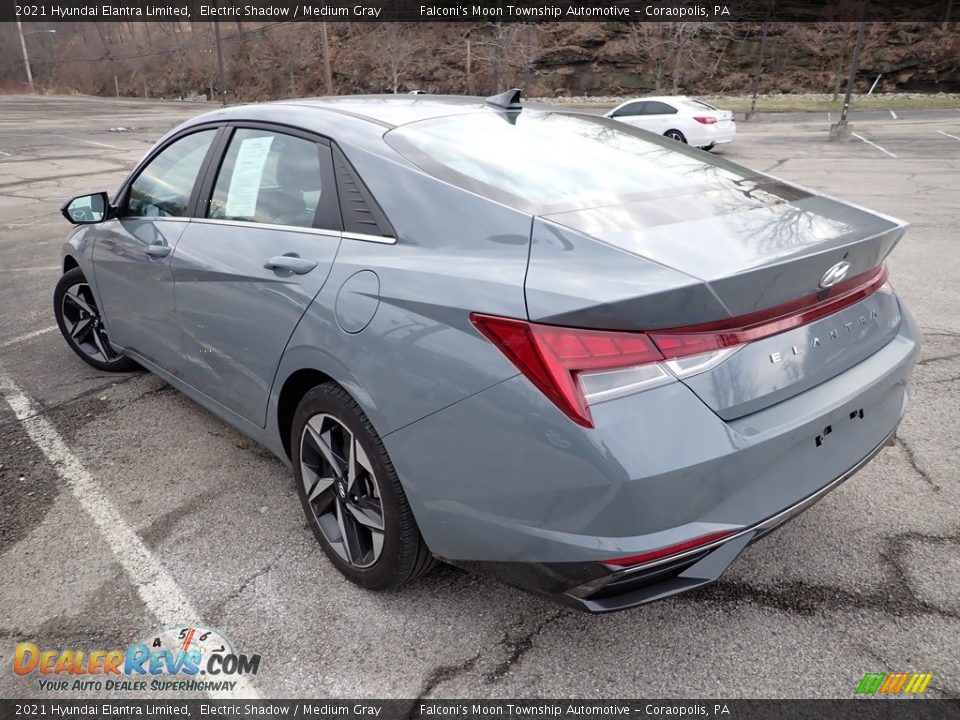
x: 164, y: 187
x: 269, y: 177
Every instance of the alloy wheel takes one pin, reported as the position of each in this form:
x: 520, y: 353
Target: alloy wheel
x: 83, y: 323
x: 342, y: 490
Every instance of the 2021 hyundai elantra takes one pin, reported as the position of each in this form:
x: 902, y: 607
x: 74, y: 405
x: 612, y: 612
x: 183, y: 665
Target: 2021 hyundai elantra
x: 544, y: 345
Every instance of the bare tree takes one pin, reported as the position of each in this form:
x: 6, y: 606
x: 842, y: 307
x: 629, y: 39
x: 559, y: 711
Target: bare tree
x: 511, y: 49
x: 646, y: 43
x: 394, y: 49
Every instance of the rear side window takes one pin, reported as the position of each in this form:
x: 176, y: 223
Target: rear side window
x: 658, y: 108
x: 546, y: 162
x: 630, y: 110
x: 699, y: 105
x: 273, y: 178
x: 164, y: 186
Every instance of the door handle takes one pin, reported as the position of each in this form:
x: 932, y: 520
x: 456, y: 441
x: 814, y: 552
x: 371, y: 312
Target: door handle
x: 157, y: 250
x: 293, y: 263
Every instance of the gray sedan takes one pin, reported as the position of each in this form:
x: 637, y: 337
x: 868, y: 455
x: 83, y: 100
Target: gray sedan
x: 549, y: 346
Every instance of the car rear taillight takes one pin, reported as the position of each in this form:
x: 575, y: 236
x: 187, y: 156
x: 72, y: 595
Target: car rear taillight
x: 666, y: 552
x: 576, y: 367
x: 705, y: 119
x: 709, y: 337
x: 573, y: 366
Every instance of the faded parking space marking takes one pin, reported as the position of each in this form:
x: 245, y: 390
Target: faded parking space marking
x: 27, y: 336
x: 38, y: 268
x: 955, y: 137
x: 99, y: 144
x: 155, y: 586
x: 873, y: 144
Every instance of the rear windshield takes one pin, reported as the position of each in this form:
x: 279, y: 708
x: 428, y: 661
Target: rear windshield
x: 549, y: 161
x: 700, y: 104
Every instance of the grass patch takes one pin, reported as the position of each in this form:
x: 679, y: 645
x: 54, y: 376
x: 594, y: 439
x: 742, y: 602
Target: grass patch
x: 801, y: 103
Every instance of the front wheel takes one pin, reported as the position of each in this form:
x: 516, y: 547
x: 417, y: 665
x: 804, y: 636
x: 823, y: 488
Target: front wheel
x: 675, y: 135
x: 81, y: 324
x: 351, y: 494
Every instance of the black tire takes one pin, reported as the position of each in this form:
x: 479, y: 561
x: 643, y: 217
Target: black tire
x: 81, y: 325
x: 402, y: 554
x: 675, y: 135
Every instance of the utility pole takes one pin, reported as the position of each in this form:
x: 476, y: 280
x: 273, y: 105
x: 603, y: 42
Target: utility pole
x: 469, y: 70
x: 26, y: 59
x: 854, y: 63
x: 756, y: 74
x: 841, y: 130
x: 223, y: 77
x: 759, y: 70
x: 327, y: 73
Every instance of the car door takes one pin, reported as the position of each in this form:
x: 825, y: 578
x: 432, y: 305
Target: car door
x: 248, y: 266
x: 132, y: 252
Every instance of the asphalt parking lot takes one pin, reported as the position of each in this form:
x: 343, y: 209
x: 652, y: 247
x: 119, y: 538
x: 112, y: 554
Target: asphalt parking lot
x: 152, y: 512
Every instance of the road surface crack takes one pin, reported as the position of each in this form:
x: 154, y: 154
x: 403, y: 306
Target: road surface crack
x: 517, y: 646
x: 893, y: 599
x: 912, y: 459
x: 438, y: 676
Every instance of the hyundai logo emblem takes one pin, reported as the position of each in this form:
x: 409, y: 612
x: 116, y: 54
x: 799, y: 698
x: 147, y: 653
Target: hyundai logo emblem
x: 835, y: 274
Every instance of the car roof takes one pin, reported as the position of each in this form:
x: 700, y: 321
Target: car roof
x: 394, y: 110
x: 659, y: 98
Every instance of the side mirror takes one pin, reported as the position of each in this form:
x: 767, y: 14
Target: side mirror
x: 87, y: 209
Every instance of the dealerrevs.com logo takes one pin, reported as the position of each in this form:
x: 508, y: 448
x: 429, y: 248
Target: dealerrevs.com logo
x: 181, y: 659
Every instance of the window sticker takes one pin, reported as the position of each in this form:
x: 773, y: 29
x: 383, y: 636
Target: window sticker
x: 247, y: 177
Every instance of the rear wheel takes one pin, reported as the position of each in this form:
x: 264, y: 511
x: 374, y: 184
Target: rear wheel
x: 351, y: 494
x: 81, y: 324
x: 675, y: 135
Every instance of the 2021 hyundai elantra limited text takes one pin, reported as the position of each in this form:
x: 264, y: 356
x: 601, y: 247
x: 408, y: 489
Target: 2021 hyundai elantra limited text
x: 582, y: 357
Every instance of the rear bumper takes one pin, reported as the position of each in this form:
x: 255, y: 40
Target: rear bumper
x: 712, y: 135
x: 502, y: 482
x: 654, y: 581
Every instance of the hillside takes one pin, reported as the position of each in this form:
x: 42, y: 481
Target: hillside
x: 268, y: 61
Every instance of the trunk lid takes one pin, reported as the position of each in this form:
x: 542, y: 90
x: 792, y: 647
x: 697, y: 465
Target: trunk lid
x: 738, y: 247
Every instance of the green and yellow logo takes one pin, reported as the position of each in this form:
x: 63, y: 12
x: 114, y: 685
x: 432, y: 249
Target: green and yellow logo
x: 894, y: 683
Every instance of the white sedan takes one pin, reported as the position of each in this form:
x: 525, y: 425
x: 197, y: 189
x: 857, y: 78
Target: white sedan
x: 681, y: 118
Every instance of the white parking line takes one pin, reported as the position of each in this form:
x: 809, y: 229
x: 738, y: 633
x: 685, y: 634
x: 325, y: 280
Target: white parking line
x: 948, y: 135
x: 99, y: 144
x: 873, y: 144
x: 893, y: 114
x: 4, y: 154
x: 36, y: 268
x: 156, y: 587
x: 28, y: 336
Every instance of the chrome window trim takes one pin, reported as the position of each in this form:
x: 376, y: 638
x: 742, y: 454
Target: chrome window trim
x: 363, y: 237
x: 297, y: 228
x: 267, y: 226
x: 152, y: 218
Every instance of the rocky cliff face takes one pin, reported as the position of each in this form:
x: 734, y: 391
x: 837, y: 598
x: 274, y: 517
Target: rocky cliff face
x: 549, y: 59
